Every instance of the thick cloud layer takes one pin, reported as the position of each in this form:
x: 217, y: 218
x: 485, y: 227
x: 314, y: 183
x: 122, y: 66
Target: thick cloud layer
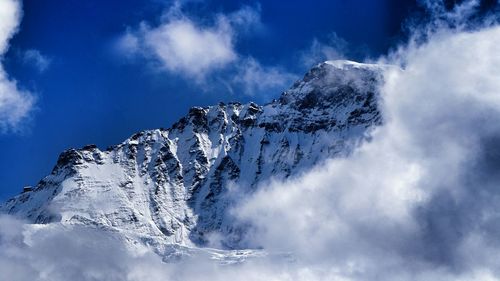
x: 421, y: 200
x: 59, y: 253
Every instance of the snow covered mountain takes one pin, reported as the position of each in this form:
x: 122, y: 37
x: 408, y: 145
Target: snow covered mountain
x: 175, y: 186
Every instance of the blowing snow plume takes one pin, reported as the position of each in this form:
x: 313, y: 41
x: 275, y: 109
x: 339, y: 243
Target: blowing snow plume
x: 419, y: 201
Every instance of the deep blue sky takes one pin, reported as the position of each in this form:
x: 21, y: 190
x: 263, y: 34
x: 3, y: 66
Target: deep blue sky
x: 90, y: 94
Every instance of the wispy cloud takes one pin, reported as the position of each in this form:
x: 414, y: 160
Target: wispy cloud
x: 36, y: 59
x: 15, y: 104
x: 333, y: 48
x: 252, y: 78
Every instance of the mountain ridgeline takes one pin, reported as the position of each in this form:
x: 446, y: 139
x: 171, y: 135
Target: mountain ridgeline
x: 177, y: 186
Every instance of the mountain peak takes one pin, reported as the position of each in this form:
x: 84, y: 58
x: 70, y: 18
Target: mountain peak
x: 172, y: 186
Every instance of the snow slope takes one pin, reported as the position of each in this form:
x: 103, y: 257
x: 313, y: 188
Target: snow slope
x: 171, y: 189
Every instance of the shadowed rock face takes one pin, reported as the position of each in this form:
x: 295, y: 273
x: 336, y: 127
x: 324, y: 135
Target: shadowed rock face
x: 176, y: 186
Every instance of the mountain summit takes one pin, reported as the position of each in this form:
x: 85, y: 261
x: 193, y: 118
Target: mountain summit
x: 176, y: 186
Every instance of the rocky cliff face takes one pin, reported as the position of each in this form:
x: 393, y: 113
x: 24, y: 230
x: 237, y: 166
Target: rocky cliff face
x: 175, y: 186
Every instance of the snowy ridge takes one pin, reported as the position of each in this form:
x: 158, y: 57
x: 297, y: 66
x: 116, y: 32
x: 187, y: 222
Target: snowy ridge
x: 347, y: 64
x: 173, y: 188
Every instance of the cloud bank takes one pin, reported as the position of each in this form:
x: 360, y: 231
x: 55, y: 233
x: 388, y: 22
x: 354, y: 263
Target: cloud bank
x: 58, y: 253
x: 421, y: 200
x: 15, y: 103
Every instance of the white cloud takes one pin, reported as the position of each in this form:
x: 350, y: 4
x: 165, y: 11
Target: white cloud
x: 207, y: 53
x: 15, y: 104
x: 57, y: 253
x: 254, y: 79
x: 37, y: 59
x: 181, y: 45
x: 10, y: 13
x: 418, y: 202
